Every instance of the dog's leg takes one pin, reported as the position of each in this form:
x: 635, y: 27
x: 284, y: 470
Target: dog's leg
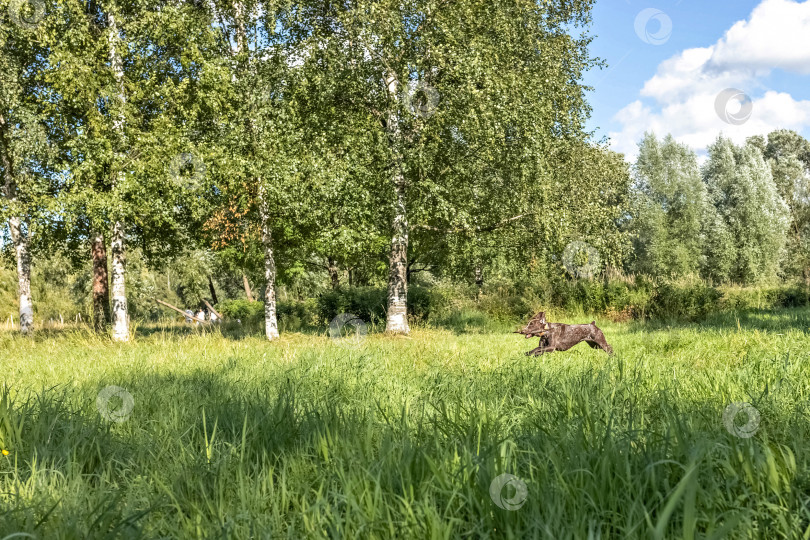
x: 541, y: 350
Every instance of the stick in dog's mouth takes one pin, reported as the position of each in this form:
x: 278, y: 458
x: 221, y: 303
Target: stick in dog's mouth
x: 532, y: 334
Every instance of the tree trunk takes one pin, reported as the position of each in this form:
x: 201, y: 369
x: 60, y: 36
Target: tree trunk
x: 270, y: 316
x: 334, y: 277
x: 213, y: 291
x: 120, y: 312
x: 397, y: 317
x: 479, y: 280
x: 101, y: 286
x: 119, y: 297
x: 397, y: 320
x: 246, y: 284
x: 19, y: 237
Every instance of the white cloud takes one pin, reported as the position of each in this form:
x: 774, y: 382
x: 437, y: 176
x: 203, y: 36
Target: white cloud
x: 777, y: 34
x: 680, y: 98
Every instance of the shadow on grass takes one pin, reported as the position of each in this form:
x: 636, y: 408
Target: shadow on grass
x: 340, y: 447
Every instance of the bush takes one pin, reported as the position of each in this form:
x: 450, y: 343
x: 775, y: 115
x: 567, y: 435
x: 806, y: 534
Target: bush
x: 740, y: 298
x: 689, y: 301
x: 292, y: 315
x: 623, y: 299
x: 247, y: 312
x: 369, y: 303
x: 459, y: 307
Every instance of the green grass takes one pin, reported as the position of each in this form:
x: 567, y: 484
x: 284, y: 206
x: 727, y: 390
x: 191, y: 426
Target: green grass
x: 234, y: 437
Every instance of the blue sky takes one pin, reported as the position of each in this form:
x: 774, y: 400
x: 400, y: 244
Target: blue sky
x: 693, y: 51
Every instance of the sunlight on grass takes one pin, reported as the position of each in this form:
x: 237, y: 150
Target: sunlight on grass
x: 402, y: 436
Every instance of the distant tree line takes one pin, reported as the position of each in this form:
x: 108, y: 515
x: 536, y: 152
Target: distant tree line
x: 743, y: 217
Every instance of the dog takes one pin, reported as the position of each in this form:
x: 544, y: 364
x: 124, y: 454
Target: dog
x: 561, y: 337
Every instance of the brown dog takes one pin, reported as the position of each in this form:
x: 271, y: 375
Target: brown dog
x: 561, y: 337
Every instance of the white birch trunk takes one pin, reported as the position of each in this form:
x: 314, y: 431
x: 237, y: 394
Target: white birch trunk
x: 19, y: 235
x: 270, y: 315
x: 397, y: 317
x: 120, y: 313
x: 20, y: 239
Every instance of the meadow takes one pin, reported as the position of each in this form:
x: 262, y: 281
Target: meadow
x: 230, y: 436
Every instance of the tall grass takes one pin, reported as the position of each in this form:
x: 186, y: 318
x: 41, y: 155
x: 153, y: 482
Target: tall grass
x: 233, y: 437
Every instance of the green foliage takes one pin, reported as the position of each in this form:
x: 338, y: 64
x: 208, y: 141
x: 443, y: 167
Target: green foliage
x: 788, y: 155
x: 243, y: 310
x: 443, y: 303
x: 241, y: 438
x: 692, y: 300
x: 750, y: 298
x: 742, y: 188
x: 293, y: 315
x: 670, y: 203
x: 369, y: 303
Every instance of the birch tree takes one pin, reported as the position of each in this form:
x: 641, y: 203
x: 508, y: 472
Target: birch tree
x: 23, y: 144
x: 256, y: 125
x: 127, y: 84
x: 417, y: 70
x: 87, y: 51
x: 120, y: 314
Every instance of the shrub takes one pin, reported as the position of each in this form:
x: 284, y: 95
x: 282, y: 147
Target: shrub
x: 369, y: 303
x: 292, y: 315
x: 692, y: 300
x: 247, y: 312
